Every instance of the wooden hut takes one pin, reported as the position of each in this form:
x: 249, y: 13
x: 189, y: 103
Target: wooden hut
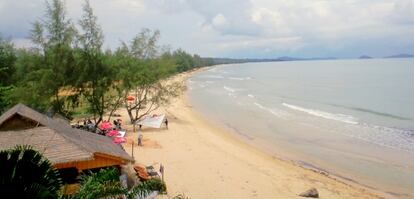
x: 64, y: 146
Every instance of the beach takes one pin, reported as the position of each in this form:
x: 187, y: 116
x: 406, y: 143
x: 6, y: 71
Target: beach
x: 202, y: 160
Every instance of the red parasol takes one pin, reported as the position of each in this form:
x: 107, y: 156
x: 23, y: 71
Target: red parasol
x: 130, y: 98
x: 112, y: 133
x: 105, y: 125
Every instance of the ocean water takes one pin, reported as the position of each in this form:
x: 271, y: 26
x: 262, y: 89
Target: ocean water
x: 351, y: 118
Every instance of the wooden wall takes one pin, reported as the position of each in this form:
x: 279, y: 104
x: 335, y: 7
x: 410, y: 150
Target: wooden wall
x: 99, y: 161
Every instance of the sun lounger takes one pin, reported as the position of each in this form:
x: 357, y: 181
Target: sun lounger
x: 144, y: 174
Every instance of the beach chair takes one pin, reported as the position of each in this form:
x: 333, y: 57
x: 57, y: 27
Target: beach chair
x: 152, y: 172
x: 143, y: 174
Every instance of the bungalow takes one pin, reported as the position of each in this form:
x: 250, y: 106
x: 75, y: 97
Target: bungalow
x: 70, y: 150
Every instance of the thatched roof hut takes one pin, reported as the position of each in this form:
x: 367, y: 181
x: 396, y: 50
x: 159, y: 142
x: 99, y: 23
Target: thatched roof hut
x: 64, y: 146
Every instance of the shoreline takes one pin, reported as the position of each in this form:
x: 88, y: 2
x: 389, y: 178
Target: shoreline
x: 224, y: 165
x: 247, y: 140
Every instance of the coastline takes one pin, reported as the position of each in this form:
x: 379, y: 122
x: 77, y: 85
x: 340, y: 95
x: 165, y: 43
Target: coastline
x: 206, y: 161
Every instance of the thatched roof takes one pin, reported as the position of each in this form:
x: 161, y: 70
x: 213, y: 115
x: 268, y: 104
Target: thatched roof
x: 57, y: 140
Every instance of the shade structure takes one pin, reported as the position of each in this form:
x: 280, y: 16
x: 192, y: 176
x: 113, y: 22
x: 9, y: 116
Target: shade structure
x: 154, y: 121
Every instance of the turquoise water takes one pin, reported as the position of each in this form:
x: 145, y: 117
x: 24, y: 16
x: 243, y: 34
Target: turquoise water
x: 352, y: 118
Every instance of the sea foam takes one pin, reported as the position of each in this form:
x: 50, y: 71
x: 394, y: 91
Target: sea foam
x: 229, y: 89
x: 332, y: 116
x: 275, y: 112
x: 240, y: 78
x: 213, y: 76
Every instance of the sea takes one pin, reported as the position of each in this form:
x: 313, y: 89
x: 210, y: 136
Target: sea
x: 353, y: 119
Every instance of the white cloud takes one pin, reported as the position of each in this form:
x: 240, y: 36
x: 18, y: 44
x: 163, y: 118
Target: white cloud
x: 219, y: 20
x: 265, y: 28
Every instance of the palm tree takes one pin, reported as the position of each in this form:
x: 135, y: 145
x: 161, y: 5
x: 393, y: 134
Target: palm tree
x: 105, y: 184
x: 26, y: 173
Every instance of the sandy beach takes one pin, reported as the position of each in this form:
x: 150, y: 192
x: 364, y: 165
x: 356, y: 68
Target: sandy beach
x: 205, y: 161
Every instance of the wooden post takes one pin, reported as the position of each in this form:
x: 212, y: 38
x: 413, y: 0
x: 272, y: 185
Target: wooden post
x: 132, y: 148
x: 162, y: 172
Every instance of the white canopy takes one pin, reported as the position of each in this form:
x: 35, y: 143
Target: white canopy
x: 154, y: 121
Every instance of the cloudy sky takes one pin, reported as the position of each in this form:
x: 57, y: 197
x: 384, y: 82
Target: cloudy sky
x: 242, y: 28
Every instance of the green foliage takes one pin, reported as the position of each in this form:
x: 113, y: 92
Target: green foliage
x: 54, y: 37
x: 184, y: 60
x: 95, y: 76
x: 7, y: 69
x: 106, y: 184
x: 25, y: 173
x: 5, y: 99
x: 7, y: 60
x: 68, y: 71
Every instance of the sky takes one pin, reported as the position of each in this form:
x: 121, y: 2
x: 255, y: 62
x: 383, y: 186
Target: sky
x: 241, y: 28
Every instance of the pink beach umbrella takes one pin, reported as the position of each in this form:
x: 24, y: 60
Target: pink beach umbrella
x: 105, y: 125
x: 112, y: 133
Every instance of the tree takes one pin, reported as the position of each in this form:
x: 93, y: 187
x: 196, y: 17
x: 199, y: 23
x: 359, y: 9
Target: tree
x: 54, y: 37
x: 184, y: 60
x: 29, y: 81
x: 143, y: 73
x: 145, y: 44
x: 150, y: 90
x: 96, y: 77
x: 7, y: 69
x: 25, y: 173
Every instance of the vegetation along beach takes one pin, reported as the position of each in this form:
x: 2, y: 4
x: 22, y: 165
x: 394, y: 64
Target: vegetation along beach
x: 189, y: 99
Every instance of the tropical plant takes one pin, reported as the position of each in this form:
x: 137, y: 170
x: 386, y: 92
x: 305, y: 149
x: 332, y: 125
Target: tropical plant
x: 26, y: 173
x: 105, y: 184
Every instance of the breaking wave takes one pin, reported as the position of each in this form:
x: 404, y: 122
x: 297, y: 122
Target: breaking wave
x: 275, y: 112
x: 332, y: 116
x: 240, y: 78
x: 213, y: 76
x: 229, y: 89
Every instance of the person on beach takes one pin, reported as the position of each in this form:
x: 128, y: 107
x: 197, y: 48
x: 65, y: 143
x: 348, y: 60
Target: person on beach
x: 140, y: 139
x: 166, y: 122
x: 119, y: 121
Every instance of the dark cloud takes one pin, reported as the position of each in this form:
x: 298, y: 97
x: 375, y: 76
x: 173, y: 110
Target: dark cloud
x: 16, y: 17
